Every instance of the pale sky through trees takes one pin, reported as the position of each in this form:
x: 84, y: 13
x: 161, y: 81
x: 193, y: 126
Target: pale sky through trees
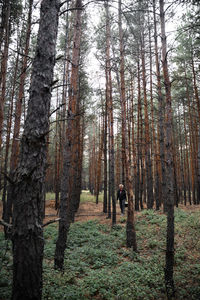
x: 96, y: 75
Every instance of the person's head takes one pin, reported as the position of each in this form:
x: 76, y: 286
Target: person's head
x: 121, y: 186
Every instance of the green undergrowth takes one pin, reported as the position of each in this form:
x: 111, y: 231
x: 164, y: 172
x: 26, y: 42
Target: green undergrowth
x: 99, y: 266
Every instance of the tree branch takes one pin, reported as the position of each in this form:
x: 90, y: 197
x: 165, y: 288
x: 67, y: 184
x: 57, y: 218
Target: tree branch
x: 50, y: 222
x: 3, y: 223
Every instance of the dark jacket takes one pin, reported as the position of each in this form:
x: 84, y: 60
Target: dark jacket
x: 122, y: 195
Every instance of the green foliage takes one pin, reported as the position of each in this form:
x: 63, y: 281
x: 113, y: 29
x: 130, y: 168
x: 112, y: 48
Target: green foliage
x: 99, y: 266
x: 5, y: 268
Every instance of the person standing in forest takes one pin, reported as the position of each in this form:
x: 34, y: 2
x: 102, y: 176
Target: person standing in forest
x: 121, y: 195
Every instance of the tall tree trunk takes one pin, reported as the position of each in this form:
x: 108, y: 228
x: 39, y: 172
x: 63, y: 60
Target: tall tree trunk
x: 18, y: 108
x: 99, y: 164
x: 156, y: 185
x: 139, y: 145
x: 198, y: 109
x: 28, y: 186
x: 4, y: 62
x: 161, y: 148
x: 134, y: 159
x: 130, y: 225
x: 149, y: 178
x: 9, y: 125
x: 110, y: 115
x: 118, y: 159
x: 57, y: 161
x: 186, y: 138
x: 105, y: 196
x: 18, y: 112
x: 70, y: 148
x: 169, y: 281
x: 4, y: 7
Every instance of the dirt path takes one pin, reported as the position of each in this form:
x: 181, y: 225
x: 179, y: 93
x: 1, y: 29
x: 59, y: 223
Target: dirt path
x: 87, y: 211
x: 90, y: 211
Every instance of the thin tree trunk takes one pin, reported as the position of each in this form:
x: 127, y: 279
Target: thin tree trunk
x: 100, y: 152
x: 70, y: 149
x: 18, y: 111
x: 169, y: 281
x: 130, y: 225
x: 105, y: 196
x: 198, y: 150
x: 110, y: 116
x: 161, y: 115
x: 186, y: 139
x: 134, y: 159
x: 57, y: 162
x: 18, y: 108
x: 155, y: 150
x: 9, y: 125
x: 5, y: 4
x: 138, y: 182
x: 149, y: 178
x: 4, y: 62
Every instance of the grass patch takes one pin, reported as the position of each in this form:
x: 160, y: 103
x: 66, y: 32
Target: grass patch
x: 86, y: 196
x: 99, y: 266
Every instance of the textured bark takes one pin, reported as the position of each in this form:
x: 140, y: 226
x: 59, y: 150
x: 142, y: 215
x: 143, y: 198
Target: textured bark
x: 99, y: 164
x: 182, y: 161
x: 4, y: 62
x: 57, y: 162
x: 141, y: 143
x: 3, y: 20
x: 28, y: 187
x: 169, y: 281
x: 18, y: 107
x: 186, y: 141
x: 130, y: 225
x: 148, y: 162
x: 133, y: 143
x: 118, y: 160
x: 161, y: 148
x: 6, y: 209
x: 71, y: 150
x: 192, y: 146
x: 198, y: 144
x: 175, y: 168
x: 195, y: 134
x: 198, y: 169
x: 105, y: 196
x: 137, y: 181
x: 109, y: 175
x: 110, y: 116
x: 157, y: 185
x: 18, y: 112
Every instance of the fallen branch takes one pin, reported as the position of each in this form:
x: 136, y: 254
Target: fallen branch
x: 50, y: 222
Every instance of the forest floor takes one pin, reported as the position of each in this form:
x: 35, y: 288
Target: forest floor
x: 91, y: 211
x: 87, y: 211
x: 99, y: 266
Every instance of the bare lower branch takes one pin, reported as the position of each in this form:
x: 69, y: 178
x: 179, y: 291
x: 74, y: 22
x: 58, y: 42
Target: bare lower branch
x: 50, y: 222
x: 3, y: 223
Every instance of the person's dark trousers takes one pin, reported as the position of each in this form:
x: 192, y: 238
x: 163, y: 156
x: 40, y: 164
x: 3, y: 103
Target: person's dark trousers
x: 122, y: 205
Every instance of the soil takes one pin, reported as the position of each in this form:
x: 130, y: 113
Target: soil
x: 91, y: 211
x: 87, y: 211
